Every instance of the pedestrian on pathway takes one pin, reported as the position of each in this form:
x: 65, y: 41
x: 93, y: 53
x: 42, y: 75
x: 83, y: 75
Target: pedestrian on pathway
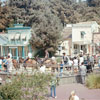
x: 83, y: 72
x: 73, y: 96
x: 53, y: 84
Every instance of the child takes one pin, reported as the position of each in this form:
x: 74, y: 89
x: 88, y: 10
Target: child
x: 73, y: 96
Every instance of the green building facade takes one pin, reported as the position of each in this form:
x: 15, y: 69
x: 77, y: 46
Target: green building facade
x: 16, y: 41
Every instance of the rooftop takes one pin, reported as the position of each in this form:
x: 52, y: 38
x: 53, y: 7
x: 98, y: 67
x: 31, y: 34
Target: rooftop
x: 86, y: 24
x: 18, y: 27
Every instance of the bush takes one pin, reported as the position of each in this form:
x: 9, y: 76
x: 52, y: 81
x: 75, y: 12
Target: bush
x: 26, y: 87
x: 11, y: 90
x: 93, y: 81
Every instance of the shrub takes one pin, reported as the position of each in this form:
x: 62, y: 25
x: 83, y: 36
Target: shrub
x: 11, y: 91
x: 93, y: 81
x: 26, y: 87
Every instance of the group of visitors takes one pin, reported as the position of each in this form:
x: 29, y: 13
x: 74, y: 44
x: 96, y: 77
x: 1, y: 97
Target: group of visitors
x: 74, y: 63
x: 6, y: 63
x: 80, y: 65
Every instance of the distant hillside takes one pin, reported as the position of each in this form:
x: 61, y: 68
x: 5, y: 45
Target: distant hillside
x: 67, y: 11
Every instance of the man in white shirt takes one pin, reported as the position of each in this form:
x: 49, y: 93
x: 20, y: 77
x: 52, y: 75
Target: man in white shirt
x: 75, y: 64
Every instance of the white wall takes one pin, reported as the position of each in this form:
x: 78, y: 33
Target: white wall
x: 76, y: 35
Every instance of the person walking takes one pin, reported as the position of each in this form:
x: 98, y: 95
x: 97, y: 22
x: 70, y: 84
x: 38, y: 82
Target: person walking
x: 53, y: 84
x: 83, y: 72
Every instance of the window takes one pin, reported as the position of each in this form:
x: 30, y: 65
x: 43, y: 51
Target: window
x: 75, y: 46
x: 82, y: 34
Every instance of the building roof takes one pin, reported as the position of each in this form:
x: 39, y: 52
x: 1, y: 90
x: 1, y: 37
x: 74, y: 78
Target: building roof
x: 88, y: 22
x: 18, y: 27
x: 85, y: 24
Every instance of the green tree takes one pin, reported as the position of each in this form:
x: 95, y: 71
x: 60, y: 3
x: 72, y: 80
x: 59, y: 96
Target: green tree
x: 26, y: 87
x: 4, y: 16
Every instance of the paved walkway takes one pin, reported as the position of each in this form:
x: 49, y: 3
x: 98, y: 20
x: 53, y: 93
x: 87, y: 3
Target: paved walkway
x: 84, y: 93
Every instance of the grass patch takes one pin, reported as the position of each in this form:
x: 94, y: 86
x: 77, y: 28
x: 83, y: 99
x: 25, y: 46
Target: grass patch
x: 93, y: 81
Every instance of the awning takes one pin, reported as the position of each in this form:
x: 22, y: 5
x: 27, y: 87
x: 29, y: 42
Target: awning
x: 17, y: 36
x: 23, y: 36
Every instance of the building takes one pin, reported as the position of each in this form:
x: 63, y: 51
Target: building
x: 82, y: 36
x: 65, y: 46
x: 16, y: 41
x: 78, y: 37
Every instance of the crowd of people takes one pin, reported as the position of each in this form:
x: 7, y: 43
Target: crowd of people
x: 81, y: 64
x: 74, y: 63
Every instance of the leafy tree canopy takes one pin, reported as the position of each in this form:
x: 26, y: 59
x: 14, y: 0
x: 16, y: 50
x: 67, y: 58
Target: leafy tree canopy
x: 46, y: 17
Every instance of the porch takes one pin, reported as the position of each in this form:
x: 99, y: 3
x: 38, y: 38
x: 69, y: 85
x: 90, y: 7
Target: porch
x: 16, y: 51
